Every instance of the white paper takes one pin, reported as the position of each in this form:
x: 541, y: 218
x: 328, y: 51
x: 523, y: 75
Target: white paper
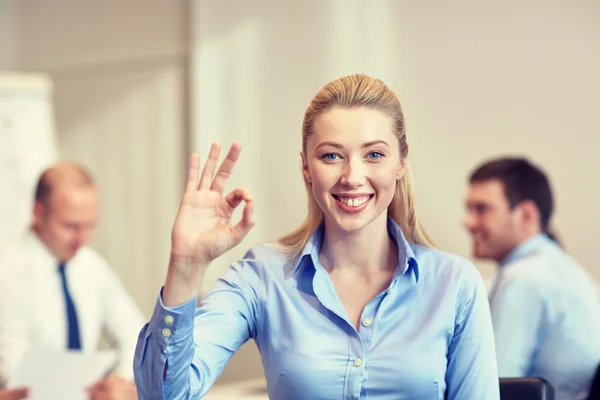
x: 65, y: 375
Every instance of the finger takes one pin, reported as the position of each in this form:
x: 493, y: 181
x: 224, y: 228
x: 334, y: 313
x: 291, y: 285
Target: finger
x: 241, y: 229
x: 226, y: 167
x: 192, y: 175
x: 93, y: 391
x: 104, y: 392
x: 210, y: 166
x: 248, y: 216
x: 16, y: 394
x: 237, y: 196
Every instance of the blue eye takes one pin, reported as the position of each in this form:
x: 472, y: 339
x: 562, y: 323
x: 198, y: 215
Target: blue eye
x: 329, y: 157
x: 375, y: 155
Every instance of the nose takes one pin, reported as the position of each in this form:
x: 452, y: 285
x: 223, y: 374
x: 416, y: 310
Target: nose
x: 469, y: 221
x: 354, y: 174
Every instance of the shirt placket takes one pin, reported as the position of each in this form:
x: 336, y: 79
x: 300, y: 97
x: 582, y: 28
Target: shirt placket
x: 355, y: 368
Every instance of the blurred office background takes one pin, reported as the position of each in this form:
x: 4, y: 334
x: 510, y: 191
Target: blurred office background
x: 137, y: 85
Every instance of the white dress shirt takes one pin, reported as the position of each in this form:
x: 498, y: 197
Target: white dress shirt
x: 32, y: 305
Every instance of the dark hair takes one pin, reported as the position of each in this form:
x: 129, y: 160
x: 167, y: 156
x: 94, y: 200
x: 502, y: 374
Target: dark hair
x: 522, y: 181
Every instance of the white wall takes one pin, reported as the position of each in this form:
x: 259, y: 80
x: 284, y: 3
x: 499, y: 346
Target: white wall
x: 119, y: 71
x: 7, y: 34
x: 475, y: 79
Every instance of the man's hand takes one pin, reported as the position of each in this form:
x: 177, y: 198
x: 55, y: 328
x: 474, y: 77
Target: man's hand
x: 113, y: 387
x: 14, y: 394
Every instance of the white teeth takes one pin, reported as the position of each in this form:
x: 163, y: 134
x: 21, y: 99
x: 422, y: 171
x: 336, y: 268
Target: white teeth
x: 354, y: 201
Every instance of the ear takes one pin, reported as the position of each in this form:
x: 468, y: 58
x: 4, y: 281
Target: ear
x: 401, y: 169
x: 529, y: 212
x: 305, y: 170
x: 39, y: 210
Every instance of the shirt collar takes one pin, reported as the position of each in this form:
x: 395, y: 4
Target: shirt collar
x: 310, y: 252
x: 40, y: 251
x: 406, y: 256
x: 38, y: 246
x: 525, y: 249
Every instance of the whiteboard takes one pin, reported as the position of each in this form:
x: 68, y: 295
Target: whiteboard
x: 27, y: 145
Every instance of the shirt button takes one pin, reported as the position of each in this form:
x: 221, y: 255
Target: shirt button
x: 390, y: 290
x: 166, y: 332
x: 367, y: 321
x: 357, y: 362
x: 169, y: 320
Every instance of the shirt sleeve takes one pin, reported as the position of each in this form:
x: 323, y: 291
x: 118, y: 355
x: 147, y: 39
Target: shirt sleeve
x: 122, y: 321
x: 472, y: 370
x: 517, y: 312
x: 182, y: 350
x: 14, y: 308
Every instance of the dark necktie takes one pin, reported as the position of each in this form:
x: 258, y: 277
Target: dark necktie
x: 73, y: 341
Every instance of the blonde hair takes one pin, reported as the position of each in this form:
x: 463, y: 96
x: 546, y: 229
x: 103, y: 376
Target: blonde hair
x: 352, y: 92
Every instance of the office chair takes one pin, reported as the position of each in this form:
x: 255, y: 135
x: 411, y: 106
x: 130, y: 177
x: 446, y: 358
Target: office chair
x: 595, y: 389
x: 529, y: 388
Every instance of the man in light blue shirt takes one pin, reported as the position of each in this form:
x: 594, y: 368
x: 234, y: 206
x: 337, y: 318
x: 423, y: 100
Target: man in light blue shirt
x: 545, y: 307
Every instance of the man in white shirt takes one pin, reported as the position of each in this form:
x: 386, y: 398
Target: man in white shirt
x: 545, y: 306
x: 57, y: 293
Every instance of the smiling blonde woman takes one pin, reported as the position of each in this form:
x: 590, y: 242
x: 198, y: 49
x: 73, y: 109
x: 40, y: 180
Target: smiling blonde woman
x: 354, y: 304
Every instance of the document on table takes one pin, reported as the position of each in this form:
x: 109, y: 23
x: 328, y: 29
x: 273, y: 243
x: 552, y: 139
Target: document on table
x: 65, y: 375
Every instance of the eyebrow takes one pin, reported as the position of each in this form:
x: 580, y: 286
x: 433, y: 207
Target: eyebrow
x: 478, y: 204
x: 364, y: 145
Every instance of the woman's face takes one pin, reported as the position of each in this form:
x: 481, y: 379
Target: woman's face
x: 352, y: 162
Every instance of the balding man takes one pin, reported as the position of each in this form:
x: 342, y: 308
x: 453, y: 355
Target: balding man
x: 57, y: 293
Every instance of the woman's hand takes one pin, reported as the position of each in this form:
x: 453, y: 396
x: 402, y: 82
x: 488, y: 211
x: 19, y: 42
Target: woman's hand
x: 202, y: 230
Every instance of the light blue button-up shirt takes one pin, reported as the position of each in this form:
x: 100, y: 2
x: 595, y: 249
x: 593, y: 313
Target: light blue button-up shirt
x: 429, y: 333
x: 546, y: 316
